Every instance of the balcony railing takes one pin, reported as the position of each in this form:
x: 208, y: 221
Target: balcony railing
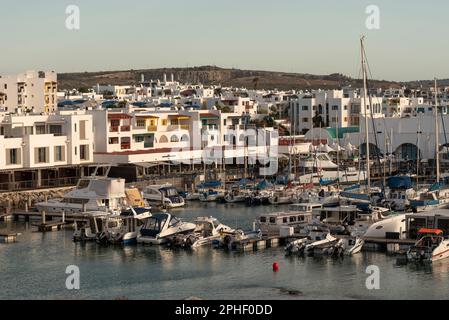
x: 152, y: 128
x: 113, y: 129
x: 125, y: 128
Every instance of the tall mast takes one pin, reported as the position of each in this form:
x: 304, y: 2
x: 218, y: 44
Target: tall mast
x: 365, y: 112
x: 437, y: 138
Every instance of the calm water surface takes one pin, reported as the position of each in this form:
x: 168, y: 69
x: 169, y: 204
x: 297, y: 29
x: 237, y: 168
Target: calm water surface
x: 34, y: 268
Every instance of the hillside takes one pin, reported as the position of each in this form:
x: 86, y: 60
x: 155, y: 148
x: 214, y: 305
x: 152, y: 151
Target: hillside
x: 209, y: 75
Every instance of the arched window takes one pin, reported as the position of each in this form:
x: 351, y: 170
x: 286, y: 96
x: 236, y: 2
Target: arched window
x: 185, y: 138
x: 163, y: 139
x: 174, y: 139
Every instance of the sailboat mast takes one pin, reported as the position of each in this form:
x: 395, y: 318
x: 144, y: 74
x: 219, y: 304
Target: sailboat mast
x: 437, y: 138
x: 364, y: 106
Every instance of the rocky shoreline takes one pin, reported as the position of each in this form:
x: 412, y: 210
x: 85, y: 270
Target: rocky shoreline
x: 18, y: 200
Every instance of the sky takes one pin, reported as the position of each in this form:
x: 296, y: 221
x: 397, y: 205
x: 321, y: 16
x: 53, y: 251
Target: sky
x: 305, y: 36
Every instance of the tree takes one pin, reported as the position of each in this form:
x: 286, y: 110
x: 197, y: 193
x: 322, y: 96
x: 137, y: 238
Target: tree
x: 318, y: 121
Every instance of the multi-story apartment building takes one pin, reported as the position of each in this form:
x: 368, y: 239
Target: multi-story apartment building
x: 150, y: 135
x: 333, y: 108
x: 34, y: 147
x: 30, y: 91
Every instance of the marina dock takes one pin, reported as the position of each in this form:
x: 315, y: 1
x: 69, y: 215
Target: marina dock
x: 8, y: 236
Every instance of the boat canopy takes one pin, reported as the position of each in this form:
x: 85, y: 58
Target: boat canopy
x: 437, y: 232
x: 400, y: 182
x: 209, y: 184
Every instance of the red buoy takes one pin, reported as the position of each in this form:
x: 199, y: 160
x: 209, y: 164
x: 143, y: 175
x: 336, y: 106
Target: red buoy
x: 275, y: 267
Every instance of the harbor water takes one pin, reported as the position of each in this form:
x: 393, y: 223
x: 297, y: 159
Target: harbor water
x: 35, y: 268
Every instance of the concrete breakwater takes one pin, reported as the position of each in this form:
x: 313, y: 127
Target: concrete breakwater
x: 19, y: 199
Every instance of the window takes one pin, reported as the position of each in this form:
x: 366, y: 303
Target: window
x: 83, y: 130
x: 174, y: 139
x: 272, y: 220
x: 59, y: 153
x: 41, y: 155
x: 345, y: 107
x: 84, y: 152
x: 334, y: 108
x: 164, y: 122
x: 174, y: 122
x: 305, y: 108
x: 40, y: 129
x: 139, y: 138
x: 224, y: 122
x: 12, y: 156
x: 75, y: 127
x: 163, y: 139
x: 114, y: 123
x: 56, y: 130
x: 140, y: 123
x: 305, y: 120
x: 113, y: 140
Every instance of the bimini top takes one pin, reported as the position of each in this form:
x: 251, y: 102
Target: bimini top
x: 437, y: 232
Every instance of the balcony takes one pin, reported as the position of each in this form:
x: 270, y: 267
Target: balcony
x: 125, y: 146
x: 113, y: 129
x: 125, y: 128
x: 152, y: 128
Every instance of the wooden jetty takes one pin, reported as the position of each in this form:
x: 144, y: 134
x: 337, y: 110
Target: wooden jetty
x: 8, y: 236
x: 67, y: 217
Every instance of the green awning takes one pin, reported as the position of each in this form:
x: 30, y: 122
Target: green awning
x: 341, y: 131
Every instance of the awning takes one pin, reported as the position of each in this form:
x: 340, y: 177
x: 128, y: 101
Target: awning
x: 118, y: 116
x: 146, y: 116
x: 206, y: 116
x: 430, y: 231
x: 179, y: 117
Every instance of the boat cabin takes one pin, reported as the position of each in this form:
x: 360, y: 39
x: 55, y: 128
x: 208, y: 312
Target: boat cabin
x: 434, y: 219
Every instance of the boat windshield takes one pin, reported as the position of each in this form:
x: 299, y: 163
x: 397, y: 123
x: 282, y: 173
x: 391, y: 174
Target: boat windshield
x: 154, y: 224
x: 83, y: 184
x: 170, y: 192
x: 174, y: 222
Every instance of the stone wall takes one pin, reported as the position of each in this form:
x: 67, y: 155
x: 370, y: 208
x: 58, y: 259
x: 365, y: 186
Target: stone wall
x: 17, y: 200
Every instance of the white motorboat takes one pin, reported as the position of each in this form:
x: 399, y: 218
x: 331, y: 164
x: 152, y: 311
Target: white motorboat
x: 128, y: 226
x: 90, y: 229
x: 298, y: 215
x: 91, y: 194
x: 235, y: 195
x: 352, y: 245
x: 321, y: 246
x: 285, y: 196
x: 207, y: 230
x: 166, y: 194
x: 161, y: 226
x: 389, y: 227
x: 211, y: 195
x: 431, y: 247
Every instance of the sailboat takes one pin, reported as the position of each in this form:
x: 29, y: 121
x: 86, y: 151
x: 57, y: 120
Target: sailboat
x: 369, y: 194
x: 437, y: 196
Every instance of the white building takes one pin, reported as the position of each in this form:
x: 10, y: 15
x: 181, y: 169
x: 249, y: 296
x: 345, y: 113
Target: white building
x: 30, y: 91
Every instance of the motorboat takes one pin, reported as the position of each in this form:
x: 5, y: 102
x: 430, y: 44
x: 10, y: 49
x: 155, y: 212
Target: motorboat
x: 91, y: 194
x: 90, y: 229
x: 236, y: 195
x: 161, y: 226
x: 285, y: 196
x: 207, y: 230
x: 391, y: 227
x: 163, y: 194
x: 431, y: 247
x: 127, y: 227
x: 297, y: 215
x: 321, y: 246
x: 211, y: 195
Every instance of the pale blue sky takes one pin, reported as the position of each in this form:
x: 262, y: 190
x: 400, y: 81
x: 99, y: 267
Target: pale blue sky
x: 319, y: 36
